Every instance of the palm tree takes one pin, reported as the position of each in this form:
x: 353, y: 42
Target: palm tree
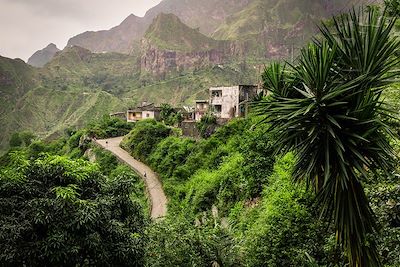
x: 327, y: 108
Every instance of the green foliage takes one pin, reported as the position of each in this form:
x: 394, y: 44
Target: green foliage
x: 393, y: 7
x: 178, y: 242
x: 327, y: 108
x: 223, y: 186
x: 285, y: 230
x: 144, y: 138
x: 169, y: 116
x: 69, y: 215
x: 108, y: 127
x: 107, y: 161
x: 384, y: 195
x: 207, y: 125
x: 21, y: 139
x: 170, y: 154
x: 230, y: 165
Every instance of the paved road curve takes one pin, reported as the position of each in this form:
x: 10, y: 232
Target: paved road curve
x: 153, y: 184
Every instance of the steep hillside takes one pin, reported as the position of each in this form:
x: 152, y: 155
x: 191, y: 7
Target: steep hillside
x: 275, y: 28
x: 16, y: 78
x: 263, y: 16
x: 168, y: 32
x: 41, y: 57
x: 170, y: 46
x: 46, y: 101
x: 206, y: 15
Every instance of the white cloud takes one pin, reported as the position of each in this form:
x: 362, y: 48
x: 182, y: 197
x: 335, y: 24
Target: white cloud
x: 29, y: 25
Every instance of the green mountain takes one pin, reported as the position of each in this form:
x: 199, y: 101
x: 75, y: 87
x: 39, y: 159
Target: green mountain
x: 164, y: 58
x: 205, y: 15
x: 78, y: 86
x: 278, y: 28
x: 44, y: 101
x: 168, y: 32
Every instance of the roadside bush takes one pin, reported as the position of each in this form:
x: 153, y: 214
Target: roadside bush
x: 169, y: 154
x: 222, y: 186
x: 176, y: 241
x: 108, y: 127
x: 144, y: 138
x: 286, y: 232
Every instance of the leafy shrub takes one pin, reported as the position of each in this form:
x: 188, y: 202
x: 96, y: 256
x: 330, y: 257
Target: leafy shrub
x: 222, y: 186
x: 169, y: 154
x: 178, y: 242
x: 207, y: 125
x: 169, y: 115
x: 286, y: 232
x: 21, y: 139
x: 68, y: 215
x: 107, y: 161
x: 144, y: 138
x: 384, y: 197
x: 109, y: 127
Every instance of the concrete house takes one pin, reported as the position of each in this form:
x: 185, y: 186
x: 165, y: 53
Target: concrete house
x: 231, y: 102
x: 146, y: 111
x: 200, y: 109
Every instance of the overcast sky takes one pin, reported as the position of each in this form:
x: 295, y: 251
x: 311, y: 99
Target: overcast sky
x: 29, y: 25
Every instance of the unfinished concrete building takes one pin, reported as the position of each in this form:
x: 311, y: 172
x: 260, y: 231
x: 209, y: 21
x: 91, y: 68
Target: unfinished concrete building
x: 231, y: 102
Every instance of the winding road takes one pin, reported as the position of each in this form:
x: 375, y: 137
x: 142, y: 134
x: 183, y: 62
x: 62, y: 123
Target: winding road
x: 153, y: 184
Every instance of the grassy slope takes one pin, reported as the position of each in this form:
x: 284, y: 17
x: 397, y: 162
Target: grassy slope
x: 168, y: 32
x: 271, y: 15
x: 78, y: 86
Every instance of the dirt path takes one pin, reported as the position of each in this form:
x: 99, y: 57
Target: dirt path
x: 153, y: 184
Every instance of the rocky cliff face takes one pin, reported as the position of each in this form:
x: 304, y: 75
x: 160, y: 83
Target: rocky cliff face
x: 170, y: 46
x: 159, y: 62
x: 42, y: 57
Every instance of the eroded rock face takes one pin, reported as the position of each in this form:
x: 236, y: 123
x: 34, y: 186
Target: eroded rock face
x: 161, y: 62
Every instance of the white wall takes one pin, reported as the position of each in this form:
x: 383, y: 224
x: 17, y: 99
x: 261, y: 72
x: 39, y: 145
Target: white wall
x: 228, y: 101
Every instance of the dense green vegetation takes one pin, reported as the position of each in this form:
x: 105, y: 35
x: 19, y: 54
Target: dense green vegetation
x: 69, y: 203
x: 328, y: 109
x: 233, y: 203
x: 248, y: 193
x: 259, y: 214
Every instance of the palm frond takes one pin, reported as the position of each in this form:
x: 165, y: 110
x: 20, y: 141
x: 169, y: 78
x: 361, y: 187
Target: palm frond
x: 327, y: 108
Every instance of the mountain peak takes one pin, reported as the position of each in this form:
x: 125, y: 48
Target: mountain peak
x: 168, y: 32
x: 42, y: 57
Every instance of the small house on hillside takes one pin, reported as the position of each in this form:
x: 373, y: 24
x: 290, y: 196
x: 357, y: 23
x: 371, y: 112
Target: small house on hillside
x: 231, y: 102
x: 200, y: 109
x: 146, y: 111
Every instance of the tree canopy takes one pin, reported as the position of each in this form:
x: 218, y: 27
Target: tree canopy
x: 61, y: 212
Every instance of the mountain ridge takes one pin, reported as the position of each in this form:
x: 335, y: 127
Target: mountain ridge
x: 43, y: 56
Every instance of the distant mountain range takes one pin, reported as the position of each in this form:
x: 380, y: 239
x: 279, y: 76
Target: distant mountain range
x: 172, y: 54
